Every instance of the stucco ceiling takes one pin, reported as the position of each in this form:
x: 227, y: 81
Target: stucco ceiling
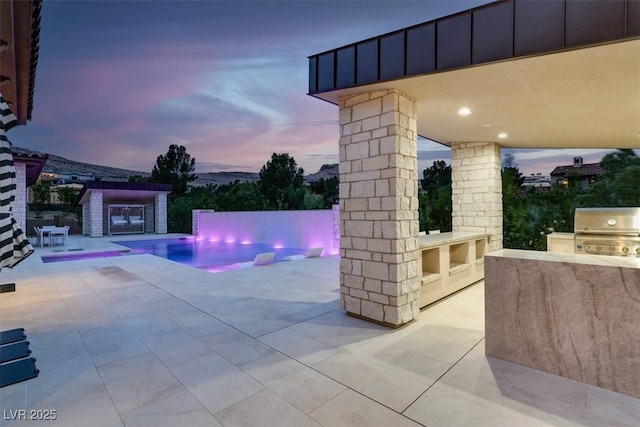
x: 584, y: 98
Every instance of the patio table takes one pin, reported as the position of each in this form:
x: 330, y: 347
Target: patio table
x: 53, y: 234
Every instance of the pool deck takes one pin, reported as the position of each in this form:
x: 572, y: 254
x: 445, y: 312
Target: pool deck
x: 140, y: 340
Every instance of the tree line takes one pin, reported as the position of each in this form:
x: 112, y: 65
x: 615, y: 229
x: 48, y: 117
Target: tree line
x: 280, y: 186
x: 530, y: 214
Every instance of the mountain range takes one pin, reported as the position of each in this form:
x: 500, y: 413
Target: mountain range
x: 62, y: 166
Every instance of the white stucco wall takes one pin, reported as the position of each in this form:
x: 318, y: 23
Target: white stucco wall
x: 292, y: 229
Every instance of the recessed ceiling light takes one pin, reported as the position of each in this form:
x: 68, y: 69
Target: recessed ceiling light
x: 502, y: 135
x: 464, y: 111
x: 486, y: 126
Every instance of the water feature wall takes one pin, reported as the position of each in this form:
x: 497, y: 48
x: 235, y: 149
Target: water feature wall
x: 290, y: 229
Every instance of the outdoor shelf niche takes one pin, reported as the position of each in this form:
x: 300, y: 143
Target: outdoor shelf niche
x: 431, y: 265
x: 458, y: 257
x: 449, y: 262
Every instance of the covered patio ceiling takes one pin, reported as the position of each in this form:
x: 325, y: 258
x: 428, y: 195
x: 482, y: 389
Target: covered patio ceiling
x: 585, y: 98
x: 559, y: 73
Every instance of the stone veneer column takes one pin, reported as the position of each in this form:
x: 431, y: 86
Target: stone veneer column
x: 149, y: 221
x: 160, y: 214
x: 379, y: 207
x: 336, y: 229
x: 96, y: 212
x: 477, y: 189
x: 19, y: 209
x: 86, y: 219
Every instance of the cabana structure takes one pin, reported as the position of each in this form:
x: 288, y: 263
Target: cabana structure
x: 513, y: 73
x: 123, y: 207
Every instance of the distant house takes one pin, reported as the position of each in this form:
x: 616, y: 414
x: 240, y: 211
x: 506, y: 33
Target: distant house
x: 62, y: 179
x: 579, y: 174
x: 538, y: 181
x: 56, y: 178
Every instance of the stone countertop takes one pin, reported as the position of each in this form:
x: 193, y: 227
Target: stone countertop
x: 433, y: 240
x: 559, y: 235
x: 604, y: 260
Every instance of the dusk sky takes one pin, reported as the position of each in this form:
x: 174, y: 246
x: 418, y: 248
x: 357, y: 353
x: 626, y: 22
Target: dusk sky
x: 119, y: 81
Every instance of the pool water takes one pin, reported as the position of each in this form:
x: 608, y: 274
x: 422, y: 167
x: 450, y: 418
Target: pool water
x: 211, y: 256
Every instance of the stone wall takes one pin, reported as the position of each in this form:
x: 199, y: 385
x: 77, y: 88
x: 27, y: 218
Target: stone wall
x: 379, y: 207
x: 477, y: 189
x: 304, y: 229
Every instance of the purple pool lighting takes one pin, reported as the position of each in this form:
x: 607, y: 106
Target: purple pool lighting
x: 278, y: 229
x: 80, y: 256
x: 213, y: 256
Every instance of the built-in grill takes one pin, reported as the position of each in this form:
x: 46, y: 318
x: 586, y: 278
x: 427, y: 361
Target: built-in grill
x: 607, y: 231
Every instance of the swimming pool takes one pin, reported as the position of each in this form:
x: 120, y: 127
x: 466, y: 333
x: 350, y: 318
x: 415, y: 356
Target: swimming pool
x: 207, y: 255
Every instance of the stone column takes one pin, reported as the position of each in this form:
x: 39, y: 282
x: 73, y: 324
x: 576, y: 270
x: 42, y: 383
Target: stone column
x: 336, y: 229
x: 86, y: 219
x: 149, y: 221
x: 19, y: 209
x: 477, y: 189
x: 95, y: 212
x: 379, y: 207
x: 160, y: 214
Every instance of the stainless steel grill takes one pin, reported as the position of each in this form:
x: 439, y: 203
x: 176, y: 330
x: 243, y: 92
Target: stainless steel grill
x: 607, y: 231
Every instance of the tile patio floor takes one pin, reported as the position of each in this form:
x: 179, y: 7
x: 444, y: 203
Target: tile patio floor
x: 139, y: 340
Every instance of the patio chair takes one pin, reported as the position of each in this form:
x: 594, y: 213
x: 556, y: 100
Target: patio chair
x: 43, y: 233
x: 38, y: 236
x: 135, y: 220
x: 312, y: 253
x: 59, y: 234
x: 260, y: 259
x: 118, y: 220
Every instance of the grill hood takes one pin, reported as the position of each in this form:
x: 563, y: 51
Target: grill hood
x: 609, y: 221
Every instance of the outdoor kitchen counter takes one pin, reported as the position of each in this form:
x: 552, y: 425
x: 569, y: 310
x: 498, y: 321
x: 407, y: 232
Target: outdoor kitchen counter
x: 449, y: 262
x: 432, y: 240
x: 561, y: 242
x: 572, y: 315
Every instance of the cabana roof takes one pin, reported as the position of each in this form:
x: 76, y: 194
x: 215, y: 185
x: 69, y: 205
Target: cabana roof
x: 123, y: 191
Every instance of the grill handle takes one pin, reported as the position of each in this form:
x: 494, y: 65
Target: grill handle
x: 609, y: 232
